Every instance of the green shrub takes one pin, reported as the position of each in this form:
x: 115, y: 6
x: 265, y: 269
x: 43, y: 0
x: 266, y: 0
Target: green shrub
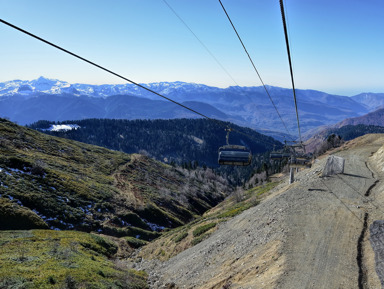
x: 134, y: 242
x: 197, y: 240
x: 69, y: 282
x: 52, y: 280
x: 235, y: 211
x: 180, y: 237
x: 104, y: 246
x: 202, y: 229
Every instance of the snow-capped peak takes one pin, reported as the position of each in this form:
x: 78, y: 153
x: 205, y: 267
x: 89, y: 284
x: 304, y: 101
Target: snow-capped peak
x: 29, y: 88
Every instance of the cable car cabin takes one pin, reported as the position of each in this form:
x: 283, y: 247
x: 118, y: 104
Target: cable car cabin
x: 234, y: 155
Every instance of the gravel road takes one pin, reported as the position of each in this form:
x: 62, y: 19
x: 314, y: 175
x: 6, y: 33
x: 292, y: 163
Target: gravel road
x: 311, y: 234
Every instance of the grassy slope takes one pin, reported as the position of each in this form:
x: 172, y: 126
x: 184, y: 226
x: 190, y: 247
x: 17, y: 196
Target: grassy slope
x: 49, y: 182
x: 62, y: 259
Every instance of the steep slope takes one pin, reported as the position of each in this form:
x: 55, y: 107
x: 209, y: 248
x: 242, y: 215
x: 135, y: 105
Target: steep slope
x: 63, y: 184
x: 311, y: 234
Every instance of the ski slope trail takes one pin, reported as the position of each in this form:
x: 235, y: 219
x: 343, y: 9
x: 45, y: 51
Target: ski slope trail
x: 310, y: 234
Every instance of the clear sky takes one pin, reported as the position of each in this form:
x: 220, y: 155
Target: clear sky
x: 337, y: 46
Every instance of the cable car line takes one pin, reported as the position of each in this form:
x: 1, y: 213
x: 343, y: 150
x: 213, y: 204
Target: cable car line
x: 118, y: 75
x: 254, y: 67
x: 103, y: 68
x: 207, y: 49
x: 290, y: 65
x: 201, y: 42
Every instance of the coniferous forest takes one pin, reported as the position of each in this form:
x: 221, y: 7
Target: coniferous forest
x: 189, y: 143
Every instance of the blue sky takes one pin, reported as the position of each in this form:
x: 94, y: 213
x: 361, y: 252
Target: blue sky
x: 337, y: 46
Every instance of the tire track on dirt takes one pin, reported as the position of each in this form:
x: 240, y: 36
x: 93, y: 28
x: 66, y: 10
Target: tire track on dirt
x: 360, y: 255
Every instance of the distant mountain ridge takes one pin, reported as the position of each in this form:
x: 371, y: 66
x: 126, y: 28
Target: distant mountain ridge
x: 54, y: 86
x: 349, y: 128
x: 373, y: 118
x: 29, y: 101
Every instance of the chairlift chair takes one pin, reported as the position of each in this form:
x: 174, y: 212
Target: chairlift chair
x: 280, y: 154
x: 234, y: 155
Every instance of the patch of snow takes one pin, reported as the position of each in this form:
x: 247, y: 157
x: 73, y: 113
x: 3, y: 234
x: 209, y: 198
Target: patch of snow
x: 154, y: 227
x: 63, y: 127
x: 19, y: 171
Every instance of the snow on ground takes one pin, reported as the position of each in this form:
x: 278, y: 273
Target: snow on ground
x: 63, y: 127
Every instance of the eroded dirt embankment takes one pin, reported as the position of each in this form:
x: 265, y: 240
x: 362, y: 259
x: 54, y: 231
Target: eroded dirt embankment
x: 304, y: 235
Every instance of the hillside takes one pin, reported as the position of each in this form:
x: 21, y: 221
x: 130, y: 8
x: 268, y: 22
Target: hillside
x: 373, y: 118
x: 311, y: 234
x: 372, y: 101
x: 179, y: 140
x: 47, y: 259
x: 348, y: 129
x: 50, y: 182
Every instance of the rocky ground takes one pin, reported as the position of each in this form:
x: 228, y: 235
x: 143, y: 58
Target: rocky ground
x: 310, y: 234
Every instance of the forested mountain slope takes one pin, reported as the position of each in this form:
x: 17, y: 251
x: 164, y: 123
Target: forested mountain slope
x: 188, y: 142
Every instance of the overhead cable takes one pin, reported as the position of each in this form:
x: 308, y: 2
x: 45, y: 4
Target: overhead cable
x: 207, y: 49
x: 201, y: 42
x: 114, y: 73
x: 101, y: 67
x: 254, y: 67
x: 290, y: 65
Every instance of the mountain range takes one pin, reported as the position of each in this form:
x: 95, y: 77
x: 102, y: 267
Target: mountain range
x: 28, y: 101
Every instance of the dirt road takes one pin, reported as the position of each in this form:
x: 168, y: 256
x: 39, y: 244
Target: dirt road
x: 311, y: 234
